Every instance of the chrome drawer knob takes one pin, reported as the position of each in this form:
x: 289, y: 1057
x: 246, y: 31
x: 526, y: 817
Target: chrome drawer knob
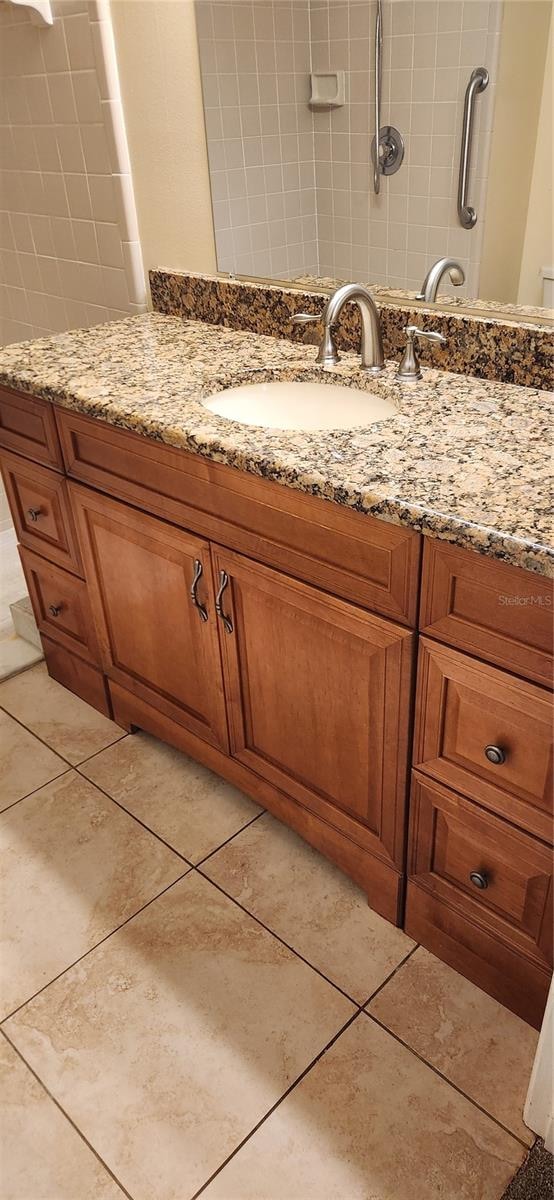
x: 54, y: 609
x: 495, y: 754
x: 479, y: 880
x: 34, y: 513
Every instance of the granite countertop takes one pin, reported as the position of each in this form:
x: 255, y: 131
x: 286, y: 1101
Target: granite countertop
x: 464, y: 460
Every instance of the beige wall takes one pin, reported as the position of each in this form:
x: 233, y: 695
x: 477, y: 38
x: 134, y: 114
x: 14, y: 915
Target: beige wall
x: 521, y: 68
x: 538, y: 246
x: 159, y: 73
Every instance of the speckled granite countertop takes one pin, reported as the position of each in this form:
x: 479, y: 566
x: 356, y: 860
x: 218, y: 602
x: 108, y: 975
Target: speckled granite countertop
x: 464, y: 460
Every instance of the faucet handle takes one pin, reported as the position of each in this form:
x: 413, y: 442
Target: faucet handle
x: 409, y: 369
x: 307, y: 318
x: 327, y: 354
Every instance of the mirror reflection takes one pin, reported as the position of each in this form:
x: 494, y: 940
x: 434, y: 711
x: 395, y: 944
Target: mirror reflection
x: 304, y: 191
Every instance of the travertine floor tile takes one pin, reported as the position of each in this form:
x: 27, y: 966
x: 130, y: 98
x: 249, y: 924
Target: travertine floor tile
x: 25, y: 764
x: 74, y: 866
x: 190, y: 807
x: 63, y: 720
x: 310, y: 904
x: 371, y: 1122
x: 482, y: 1047
x: 171, y: 1040
x: 41, y: 1155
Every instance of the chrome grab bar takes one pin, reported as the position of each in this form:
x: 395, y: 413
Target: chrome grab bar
x: 378, y: 83
x: 479, y: 80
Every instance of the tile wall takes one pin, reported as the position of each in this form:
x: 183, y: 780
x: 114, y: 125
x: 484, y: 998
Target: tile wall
x: 69, y: 248
x: 255, y: 60
x: 264, y: 140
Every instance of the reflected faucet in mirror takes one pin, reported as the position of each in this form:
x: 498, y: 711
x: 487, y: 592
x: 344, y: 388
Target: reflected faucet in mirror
x: 371, y: 348
x: 433, y: 277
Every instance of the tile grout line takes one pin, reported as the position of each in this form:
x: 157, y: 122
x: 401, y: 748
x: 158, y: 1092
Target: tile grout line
x: 82, y: 762
x: 65, y: 1114
x: 133, y: 816
x: 40, y: 739
x: 278, y: 938
x: 201, y: 861
x: 33, y: 791
x: 391, y: 976
x: 76, y: 962
x: 278, y: 1102
x: 445, y: 1079
x: 148, y: 828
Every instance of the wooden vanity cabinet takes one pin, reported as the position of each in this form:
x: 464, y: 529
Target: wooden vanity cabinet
x: 479, y: 870
x: 272, y: 636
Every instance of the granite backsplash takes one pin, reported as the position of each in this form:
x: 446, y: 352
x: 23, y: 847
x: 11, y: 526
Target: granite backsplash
x: 488, y: 348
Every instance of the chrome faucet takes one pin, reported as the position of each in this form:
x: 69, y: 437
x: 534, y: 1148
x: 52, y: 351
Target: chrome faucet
x: 372, y: 355
x: 434, y: 275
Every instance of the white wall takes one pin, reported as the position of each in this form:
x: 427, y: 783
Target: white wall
x: 69, y: 251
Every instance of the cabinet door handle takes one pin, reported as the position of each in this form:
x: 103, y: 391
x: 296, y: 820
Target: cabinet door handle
x: 223, y: 583
x: 202, y: 610
x: 479, y: 880
x: 55, y: 609
x: 34, y: 513
x: 495, y: 755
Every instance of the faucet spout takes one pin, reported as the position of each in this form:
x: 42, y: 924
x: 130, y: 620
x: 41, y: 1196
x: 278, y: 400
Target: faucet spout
x: 434, y: 275
x: 372, y: 354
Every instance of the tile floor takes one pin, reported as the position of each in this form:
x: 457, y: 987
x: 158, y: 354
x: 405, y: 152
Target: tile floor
x: 195, y: 1002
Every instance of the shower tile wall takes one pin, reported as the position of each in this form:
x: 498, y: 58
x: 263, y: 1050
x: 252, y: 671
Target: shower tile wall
x: 429, y: 50
x: 255, y: 60
x: 292, y: 187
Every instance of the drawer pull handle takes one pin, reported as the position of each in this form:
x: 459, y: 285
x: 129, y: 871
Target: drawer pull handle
x: 202, y: 610
x: 55, y: 609
x: 479, y: 880
x: 223, y: 582
x: 496, y: 755
x: 34, y: 513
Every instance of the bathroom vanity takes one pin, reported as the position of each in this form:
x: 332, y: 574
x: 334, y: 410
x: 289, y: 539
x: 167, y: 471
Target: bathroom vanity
x: 372, y: 666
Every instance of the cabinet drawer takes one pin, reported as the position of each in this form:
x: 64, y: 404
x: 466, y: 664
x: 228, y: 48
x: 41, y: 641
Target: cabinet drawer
x: 503, y: 928
x: 495, y: 611
x: 61, y: 607
x: 465, y: 708
x: 373, y: 563
x: 28, y: 426
x: 39, y: 503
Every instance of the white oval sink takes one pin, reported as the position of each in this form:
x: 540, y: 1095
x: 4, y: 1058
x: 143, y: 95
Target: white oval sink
x: 308, y: 404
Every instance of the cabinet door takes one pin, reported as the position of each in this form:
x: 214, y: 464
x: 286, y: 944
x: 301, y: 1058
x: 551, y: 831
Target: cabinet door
x: 154, y: 640
x: 318, y: 696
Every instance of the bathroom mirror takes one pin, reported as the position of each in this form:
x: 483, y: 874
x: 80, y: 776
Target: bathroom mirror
x: 292, y: 90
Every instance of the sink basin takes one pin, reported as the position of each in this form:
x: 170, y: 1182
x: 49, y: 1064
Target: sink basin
x: 305, y: 404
